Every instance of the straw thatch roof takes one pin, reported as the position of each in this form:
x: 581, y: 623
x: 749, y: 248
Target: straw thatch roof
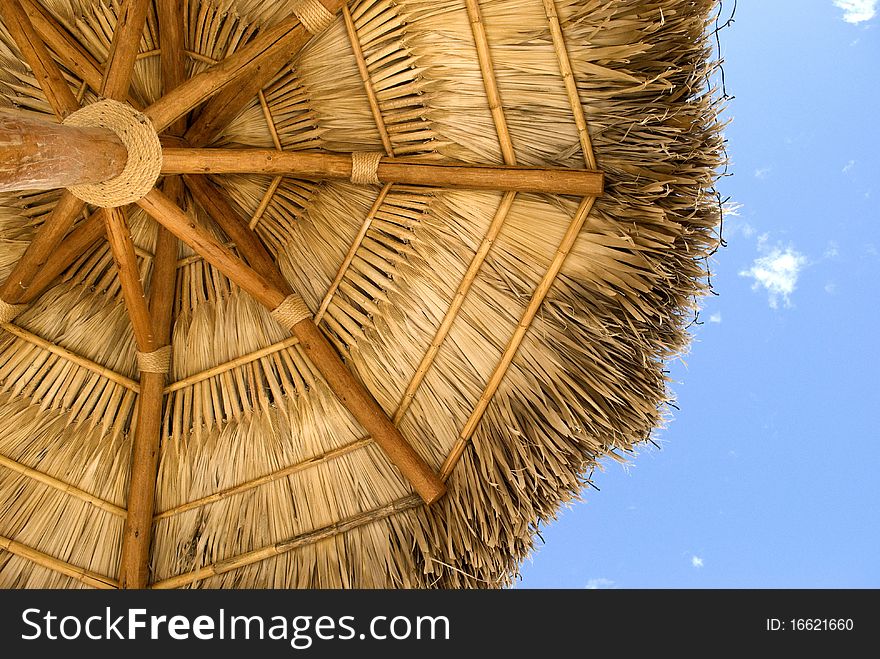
x: 512, y: 373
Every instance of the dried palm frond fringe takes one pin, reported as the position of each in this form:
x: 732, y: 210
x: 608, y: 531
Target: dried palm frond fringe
x: 265, y: 480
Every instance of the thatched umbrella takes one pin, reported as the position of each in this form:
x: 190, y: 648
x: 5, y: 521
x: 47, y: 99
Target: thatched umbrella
x: 303, y: 294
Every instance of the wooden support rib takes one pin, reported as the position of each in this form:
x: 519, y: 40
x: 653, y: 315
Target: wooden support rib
x: 129, y: 277
x: 38, y: 253
x: 487, y: 70
x: 33, y: 50
x: 348, y: 389
x: 513, y: 345
x: 134, y: 565
x: 230, y: 101
x: 355, y: 245
x: 285, y: 546
x: 170, y: 17
x: 368, y: 83
x: 37, y: 557
x: 74, y: 245
x: 410, y: 171
x: 124, y: 48
x: 570, y: 83
x: 87, y: 364
x: 61, y: 486
x: 268, y: 478
x: 219, y: 207
x: 66, y: 47
x: 231, y: 364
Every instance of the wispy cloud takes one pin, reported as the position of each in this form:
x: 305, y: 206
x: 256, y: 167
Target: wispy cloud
x: 831, y: 288
x: 847, y: 168
x: 763, y: 172
x: 832, y: 251
x: 857, y: 11
x: 777, y: 272
x: 599, y: 584
x: 715, y: 318
x: 696, y: 561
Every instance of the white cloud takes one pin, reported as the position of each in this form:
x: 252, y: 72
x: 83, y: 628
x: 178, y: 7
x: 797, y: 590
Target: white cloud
x: 832, y: 251
x: 857, y: 11
x: 697, y: 562
x: 599, y: 584
x: 831, y: 288
x: 763, y: 172
x: 715, y: 317
x: 848, y: 167
x: 777, y: 272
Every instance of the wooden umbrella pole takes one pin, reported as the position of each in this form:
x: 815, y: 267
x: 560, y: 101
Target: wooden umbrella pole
x: 34, y: 52
x: 40, y: 155
x: 251, y: 60
x: 351, y: 393
x: 227, y: 104
x: 320, y: 165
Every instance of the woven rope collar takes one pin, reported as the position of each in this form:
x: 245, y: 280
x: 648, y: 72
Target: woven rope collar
x: 144, y: 153
x: 292, y: 311
x: 365, y: 167
x: 9, y: 312
x: 158, y: 361
x: 314, y: 16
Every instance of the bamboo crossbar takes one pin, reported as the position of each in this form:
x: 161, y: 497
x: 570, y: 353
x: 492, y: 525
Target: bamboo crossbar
x: 35, y: 54
x: 267, y: 478
x: 37, y: 557
x: 88, y: 364
x: 225, y: 367
x: 490, y: 83
x: 519, y: 334
x: 317, y: 165
x: 61, y: 486
x: 365, y: 78
x: 310, y: 538
x: 568, y: 79
x: 349, y: 257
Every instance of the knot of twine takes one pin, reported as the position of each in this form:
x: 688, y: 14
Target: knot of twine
x: 365, y: 167
x: 9, y: 312
x: 158, y: 361
x: 314, y: 16
x: 139, y: 136
x: 292, y: 311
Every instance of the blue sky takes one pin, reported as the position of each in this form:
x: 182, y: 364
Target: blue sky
x: 768, y: 476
